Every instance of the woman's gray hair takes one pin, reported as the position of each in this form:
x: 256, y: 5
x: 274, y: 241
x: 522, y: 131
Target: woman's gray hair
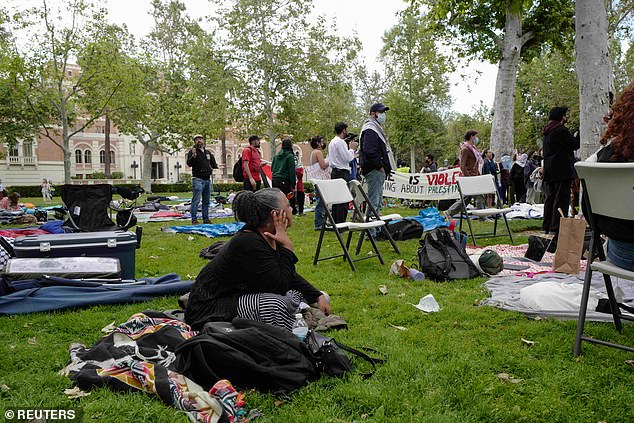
x: 254, y: 208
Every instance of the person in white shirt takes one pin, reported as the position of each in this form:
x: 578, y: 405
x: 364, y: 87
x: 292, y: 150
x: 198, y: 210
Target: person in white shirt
x: 339, y: 156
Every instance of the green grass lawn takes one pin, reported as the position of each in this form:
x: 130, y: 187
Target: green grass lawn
x: 442, y: 369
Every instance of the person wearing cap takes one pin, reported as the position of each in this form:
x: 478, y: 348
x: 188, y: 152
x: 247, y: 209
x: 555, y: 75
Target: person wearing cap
x: 375, y: 156
x: 202, y: 162
x: 252, y: 164
x: 339, y: 155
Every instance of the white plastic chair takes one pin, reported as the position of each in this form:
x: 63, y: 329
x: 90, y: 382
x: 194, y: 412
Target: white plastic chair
x: 369, y: 213
x: 478, y: 185
x: 335, y: 191
x: 608, y: 190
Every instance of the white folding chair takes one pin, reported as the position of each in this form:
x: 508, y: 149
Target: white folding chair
x: 368, y: 213
x: 470, y: 186
x: 608, y: 190
x: 335, y: 191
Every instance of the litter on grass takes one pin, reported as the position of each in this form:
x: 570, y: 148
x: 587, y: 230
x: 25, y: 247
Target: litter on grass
x: 428, y: 304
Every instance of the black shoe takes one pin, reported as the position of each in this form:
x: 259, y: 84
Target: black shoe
x: 206, y: 222
x: 194, y: 222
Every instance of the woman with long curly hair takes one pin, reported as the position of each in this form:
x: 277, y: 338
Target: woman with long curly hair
x: 618, y: 147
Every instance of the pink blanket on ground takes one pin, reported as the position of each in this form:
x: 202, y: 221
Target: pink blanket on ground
x: 513, y: 253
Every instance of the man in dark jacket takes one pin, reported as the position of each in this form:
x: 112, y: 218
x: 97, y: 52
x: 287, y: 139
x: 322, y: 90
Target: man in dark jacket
x: 559, y: 146
x: 375, y: 156
x: 202, y: 163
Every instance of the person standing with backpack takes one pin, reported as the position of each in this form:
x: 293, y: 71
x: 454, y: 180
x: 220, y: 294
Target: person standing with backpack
x: 252, y: 164
x: 202, y: 162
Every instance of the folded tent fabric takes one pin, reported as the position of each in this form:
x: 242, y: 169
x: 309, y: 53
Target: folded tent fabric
x: 211, y: 231
x: 31, y: 298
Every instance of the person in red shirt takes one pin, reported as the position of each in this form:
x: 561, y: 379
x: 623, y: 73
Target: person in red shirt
x: 251, y: 164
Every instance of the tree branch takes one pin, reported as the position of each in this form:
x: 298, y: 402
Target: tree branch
x: 101, y: 112
x: 527, y: 36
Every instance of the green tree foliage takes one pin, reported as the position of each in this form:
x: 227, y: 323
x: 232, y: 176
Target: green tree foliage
x: 57, y: 93
x: 418, y: 86
x: 504, y: 32
x: 16, y: 118
x: 546, y: 81
x: 284, y: 64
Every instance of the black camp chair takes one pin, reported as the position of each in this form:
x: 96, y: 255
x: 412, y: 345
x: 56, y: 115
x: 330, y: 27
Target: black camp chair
x: 88, y: 208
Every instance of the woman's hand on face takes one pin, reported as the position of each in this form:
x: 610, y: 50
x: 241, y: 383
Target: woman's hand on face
x: 280, y: 221
x: 323, y: 305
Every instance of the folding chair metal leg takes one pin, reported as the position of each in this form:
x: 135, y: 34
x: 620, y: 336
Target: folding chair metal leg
x: 583, y: 309
x: 495, y: 225
x: 321, y: 238
x: 471, y: 231
x: 508, y: 228
x: 376, y: 249
x: 345, y: 251
x: 360, y: 242
x: 614, y: 306
x: 348, y: 242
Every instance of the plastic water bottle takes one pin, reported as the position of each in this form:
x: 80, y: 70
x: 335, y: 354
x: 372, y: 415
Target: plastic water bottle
x: 300, y: 328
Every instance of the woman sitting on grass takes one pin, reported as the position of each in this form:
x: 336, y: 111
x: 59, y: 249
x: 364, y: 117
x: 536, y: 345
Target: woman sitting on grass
x: 254, y: 276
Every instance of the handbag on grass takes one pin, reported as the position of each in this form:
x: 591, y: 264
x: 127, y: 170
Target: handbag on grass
x: 569, y: 245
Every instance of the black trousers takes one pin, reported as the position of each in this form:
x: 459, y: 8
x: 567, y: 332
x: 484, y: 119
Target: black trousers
x: 248, y: 187
x: 340, y: 211
x: 284, y: 185
x: 297, y: 202
x: 557, y: 197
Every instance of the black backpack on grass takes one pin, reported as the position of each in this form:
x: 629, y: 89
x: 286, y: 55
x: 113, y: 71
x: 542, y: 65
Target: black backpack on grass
x: 442, y: 258
x: 238, y: 176
x: 404, y: 229
x: 252, y: 355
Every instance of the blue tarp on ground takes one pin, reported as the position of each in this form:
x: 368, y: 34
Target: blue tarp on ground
x: 34, y: 295
x: 430, y: 218
x: 208, y: 230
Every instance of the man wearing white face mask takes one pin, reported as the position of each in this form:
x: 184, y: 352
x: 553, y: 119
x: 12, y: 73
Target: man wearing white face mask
x: 375, y: 156
x: 470, y: 163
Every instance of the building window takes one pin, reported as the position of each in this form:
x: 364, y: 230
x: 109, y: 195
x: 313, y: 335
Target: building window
x: 157, y: 170
x: 77, y: 156
x: 70, y: 73
x: 87, y: 156
x: 102, y: 156
x: 27, y: 148
x: 133, y: 148
x: 14, y: 151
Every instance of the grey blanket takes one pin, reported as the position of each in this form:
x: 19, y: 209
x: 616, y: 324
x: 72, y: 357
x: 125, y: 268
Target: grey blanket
x: 505, y: 294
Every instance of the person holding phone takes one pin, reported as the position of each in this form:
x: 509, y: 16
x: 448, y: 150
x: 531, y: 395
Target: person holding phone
x: 253, y: 276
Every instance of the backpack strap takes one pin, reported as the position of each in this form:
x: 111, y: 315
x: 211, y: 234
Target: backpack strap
x: 372, y: 360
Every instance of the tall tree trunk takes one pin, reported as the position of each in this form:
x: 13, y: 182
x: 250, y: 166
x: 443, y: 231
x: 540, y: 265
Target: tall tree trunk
x: 149, y: 147
x: 506, y: 81
x: 66, y: 141
x: 223, y: 151
x: 106, y: 160
x: 412, y: 159
x: 594, y: 71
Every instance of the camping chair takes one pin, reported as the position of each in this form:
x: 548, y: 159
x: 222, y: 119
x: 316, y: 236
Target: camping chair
x: 477, y: 185
x: 608, y: 190
x: 368, y: 213
x: 88, y: 208
x: 335, y: 191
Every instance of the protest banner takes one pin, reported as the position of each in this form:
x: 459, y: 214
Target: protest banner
x: 423, y: 186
